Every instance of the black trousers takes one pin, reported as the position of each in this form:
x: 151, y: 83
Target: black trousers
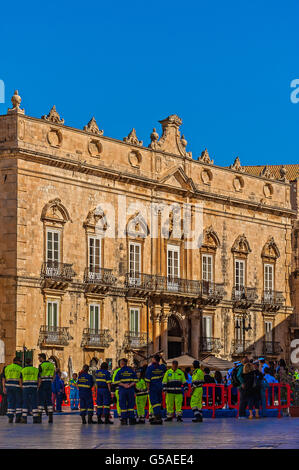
x: 245, y: 398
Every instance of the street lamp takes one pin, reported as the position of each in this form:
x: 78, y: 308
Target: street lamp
x: 244, y: 328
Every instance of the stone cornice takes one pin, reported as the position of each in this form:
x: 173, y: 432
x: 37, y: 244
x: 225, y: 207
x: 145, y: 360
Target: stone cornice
x: 97, y: 170
x: 140, y: 148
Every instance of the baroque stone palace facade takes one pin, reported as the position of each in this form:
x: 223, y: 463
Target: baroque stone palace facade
x: 72, y: 289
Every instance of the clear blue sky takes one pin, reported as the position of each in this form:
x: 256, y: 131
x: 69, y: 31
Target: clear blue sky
x: 224, y: 67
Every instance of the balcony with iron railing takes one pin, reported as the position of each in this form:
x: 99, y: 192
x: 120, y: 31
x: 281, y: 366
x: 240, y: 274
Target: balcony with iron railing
x: 240, y: 347
x: 135, y: 340
x: 243, y: 297
x: 272, y: 300
x: 96, y: 339
x: 210, y: 292
x: 271, y: 347
x: 139, y: 283
x: 56, y: 275
x: 98, y: 279
x: 208, y: 344
x: 53, y: 336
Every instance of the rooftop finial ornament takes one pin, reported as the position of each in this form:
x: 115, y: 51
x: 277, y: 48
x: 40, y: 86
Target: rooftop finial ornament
x: 93, y: 128
x: 53, y: 116
x: 16, y: 101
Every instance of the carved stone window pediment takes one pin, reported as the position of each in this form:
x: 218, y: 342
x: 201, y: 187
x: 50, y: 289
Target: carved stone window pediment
x: 241, y: 245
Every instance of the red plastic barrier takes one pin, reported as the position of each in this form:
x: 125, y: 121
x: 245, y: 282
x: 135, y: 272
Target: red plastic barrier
x: 213, y: 406
x: 210, y: 401
x: 270, y: 394
x: 229, y: 399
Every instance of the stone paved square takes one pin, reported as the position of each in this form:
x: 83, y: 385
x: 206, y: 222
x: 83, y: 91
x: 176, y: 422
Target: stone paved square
x: 67, y: 432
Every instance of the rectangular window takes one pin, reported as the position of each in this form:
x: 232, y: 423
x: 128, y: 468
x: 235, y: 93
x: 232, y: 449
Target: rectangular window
x: 173, y: 266
x: 94, y: 317
x: 53, y: 246
x: 207, y: 267
x: 134, y: 321
x: 239, y: 274
x: 94, y: 253
x: 52, y: 314
x: 268, y: 281
x: 135, y: 263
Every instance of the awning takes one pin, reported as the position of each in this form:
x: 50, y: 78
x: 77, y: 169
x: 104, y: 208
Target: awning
x: 214, y: 363
x: 184, y: 361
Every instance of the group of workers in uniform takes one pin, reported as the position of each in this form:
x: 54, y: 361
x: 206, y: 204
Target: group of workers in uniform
x: 128, y: 388
x: 29, y: 388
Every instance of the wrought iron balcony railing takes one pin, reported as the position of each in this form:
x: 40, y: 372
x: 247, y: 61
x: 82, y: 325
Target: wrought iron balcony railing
x: 101, y: 276
x: 135, y: 340
x: 241, y: 347
x: 177, y: 285
x: 57, y: 271
x: 212, y: 292
x: 271, y: 347
x: 244, y: 297
x: 96, y: 338
x: 212, y: 345
x: 209, y: 292
x: 140, y: 281
x: 272, y: 300
x: 53, y: 335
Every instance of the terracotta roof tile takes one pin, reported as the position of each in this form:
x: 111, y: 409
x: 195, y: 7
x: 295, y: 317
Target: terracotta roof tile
x: 292, y: 171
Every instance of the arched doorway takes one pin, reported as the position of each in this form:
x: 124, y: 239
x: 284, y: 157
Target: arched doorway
x: 175, y: 337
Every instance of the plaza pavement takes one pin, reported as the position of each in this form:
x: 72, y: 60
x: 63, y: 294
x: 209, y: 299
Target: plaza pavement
x: 67, y: 432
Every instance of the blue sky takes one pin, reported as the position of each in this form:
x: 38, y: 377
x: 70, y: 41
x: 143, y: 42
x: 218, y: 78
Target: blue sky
x: 224, y: 67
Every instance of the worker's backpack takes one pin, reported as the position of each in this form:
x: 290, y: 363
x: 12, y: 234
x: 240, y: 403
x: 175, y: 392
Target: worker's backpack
x: 234, y: 379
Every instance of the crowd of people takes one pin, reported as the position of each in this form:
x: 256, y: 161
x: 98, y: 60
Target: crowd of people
x: 31, y: 390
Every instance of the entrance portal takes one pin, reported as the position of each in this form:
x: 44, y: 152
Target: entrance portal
x: 175, y: 337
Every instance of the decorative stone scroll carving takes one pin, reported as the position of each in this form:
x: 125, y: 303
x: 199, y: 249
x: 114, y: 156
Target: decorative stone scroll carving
x: 96, y: 219
x: 53, y: 116
x: 132, y: 138
x: 210, y: 238
x: 171, y: 140
x: 270, y: 249
x: 241, y: 245
x: 137, y: 226
x: 54, y: 211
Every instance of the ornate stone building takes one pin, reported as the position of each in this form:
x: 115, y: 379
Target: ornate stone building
x: 96, y: 261
x: 288, y: 173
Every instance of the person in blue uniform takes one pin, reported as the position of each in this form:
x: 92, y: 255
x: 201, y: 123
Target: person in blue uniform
x: 154, y: 377
x: 58, y: 390
x: 126, y: 380
x: 74, y: 392
x: 103, y: 384
x: 85, y: 384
